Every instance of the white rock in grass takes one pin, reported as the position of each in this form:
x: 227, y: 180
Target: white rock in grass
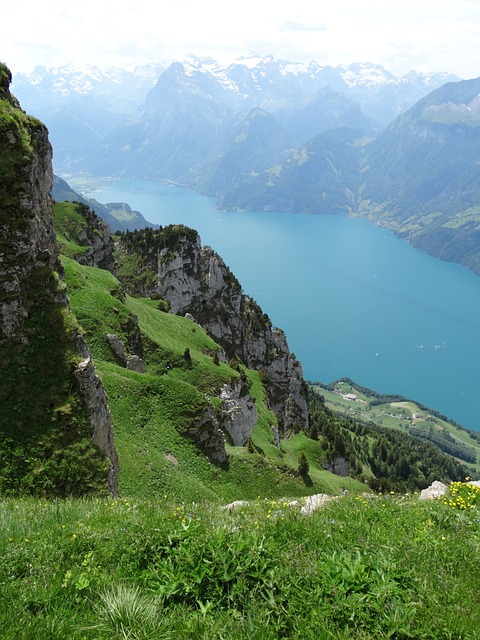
x: 436, y: 490
x: 312, y: 503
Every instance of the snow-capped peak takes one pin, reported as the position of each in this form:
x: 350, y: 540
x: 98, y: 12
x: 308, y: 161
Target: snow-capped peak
x: 253, y: 60
x: 366, y: 74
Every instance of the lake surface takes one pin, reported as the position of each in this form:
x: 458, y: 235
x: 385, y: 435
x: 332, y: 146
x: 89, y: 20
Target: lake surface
x: 354, y: 300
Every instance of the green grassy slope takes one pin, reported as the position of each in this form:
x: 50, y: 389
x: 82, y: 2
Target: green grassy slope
x: 408, y: 416
x: 360, y: 567
x: 151, y: 411
x: 118, y: 215
x: 68, y: 224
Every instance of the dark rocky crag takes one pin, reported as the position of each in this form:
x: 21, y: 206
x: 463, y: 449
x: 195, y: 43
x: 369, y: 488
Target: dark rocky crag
x: 194, y: 280
x: 42, y: 354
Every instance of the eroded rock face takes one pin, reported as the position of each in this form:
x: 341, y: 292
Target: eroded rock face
x: 238, y: 412
x: 95, y: 399
x: 134, y: 363
x: 29, y: 267
x: 338, y: 466
x: 27, y: 234
x: 195, y: 280
x: 233, y: 422
x: 117, y: 346
x: 208, y: 436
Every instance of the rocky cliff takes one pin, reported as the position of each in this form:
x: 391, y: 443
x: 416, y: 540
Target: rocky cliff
x: 228, y: 412
x: 27, y: 235
x: 194, y: 280
x: 53, y: 406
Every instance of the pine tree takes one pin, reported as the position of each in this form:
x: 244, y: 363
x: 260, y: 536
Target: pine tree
x: 303, y: 466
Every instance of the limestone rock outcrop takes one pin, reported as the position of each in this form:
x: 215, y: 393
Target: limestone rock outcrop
x: 306, y: 506
x: 208, y: 436
x: 194, y: 280
x: 238, y: 412
x: 436, y: 490
x: 338, y: 465
x: 132, y: 362
x: 233, y: 421
x: 100, y: 247
x: 27, y: 235
x: 96, y: 401
x: 117, y: 346
x: 94, y: 234
x: 312, y: 503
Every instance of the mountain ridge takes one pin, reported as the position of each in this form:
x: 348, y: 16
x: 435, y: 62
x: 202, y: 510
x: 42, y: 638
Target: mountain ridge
x: 83, y: 102
x: 417, y: 176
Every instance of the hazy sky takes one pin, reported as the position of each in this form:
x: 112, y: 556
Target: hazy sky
x: 425, y: 35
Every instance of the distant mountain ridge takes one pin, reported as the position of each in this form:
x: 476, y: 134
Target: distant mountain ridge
x: 118, y: 215
x: 82, y: 106
x: 243, y: 78
x: 266, y: 134
x: 422, y: 174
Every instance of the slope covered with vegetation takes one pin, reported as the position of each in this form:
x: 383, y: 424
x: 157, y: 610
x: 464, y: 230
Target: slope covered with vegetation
x: 347, y: 398
x: 361, y: 567
x: 118, y: 215
x: 153, y: 412
x: 385, y: 458
x: 164, y: 561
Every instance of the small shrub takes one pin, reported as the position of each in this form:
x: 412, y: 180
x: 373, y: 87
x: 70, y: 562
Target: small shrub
x: 303, y: 466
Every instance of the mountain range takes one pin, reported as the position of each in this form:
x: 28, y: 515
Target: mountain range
x: 133, y: 363
x: 305, y: 98
x: 266, y: 134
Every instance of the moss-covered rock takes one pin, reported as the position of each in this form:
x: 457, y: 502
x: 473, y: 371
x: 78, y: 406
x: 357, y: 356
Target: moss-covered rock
x: 50, y: 422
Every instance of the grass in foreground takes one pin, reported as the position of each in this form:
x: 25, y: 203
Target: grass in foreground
x: 363, y: 567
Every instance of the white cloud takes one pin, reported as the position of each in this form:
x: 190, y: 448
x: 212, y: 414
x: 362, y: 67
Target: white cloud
x: 419, y: 34
x: 291, y: 25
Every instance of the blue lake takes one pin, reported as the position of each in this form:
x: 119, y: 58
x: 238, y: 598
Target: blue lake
x: 354, y: 300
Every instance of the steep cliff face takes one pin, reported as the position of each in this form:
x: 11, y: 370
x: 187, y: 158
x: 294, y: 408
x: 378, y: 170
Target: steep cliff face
x: 50, y: 406
x: 195, y: 280
x: 27, y: 235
